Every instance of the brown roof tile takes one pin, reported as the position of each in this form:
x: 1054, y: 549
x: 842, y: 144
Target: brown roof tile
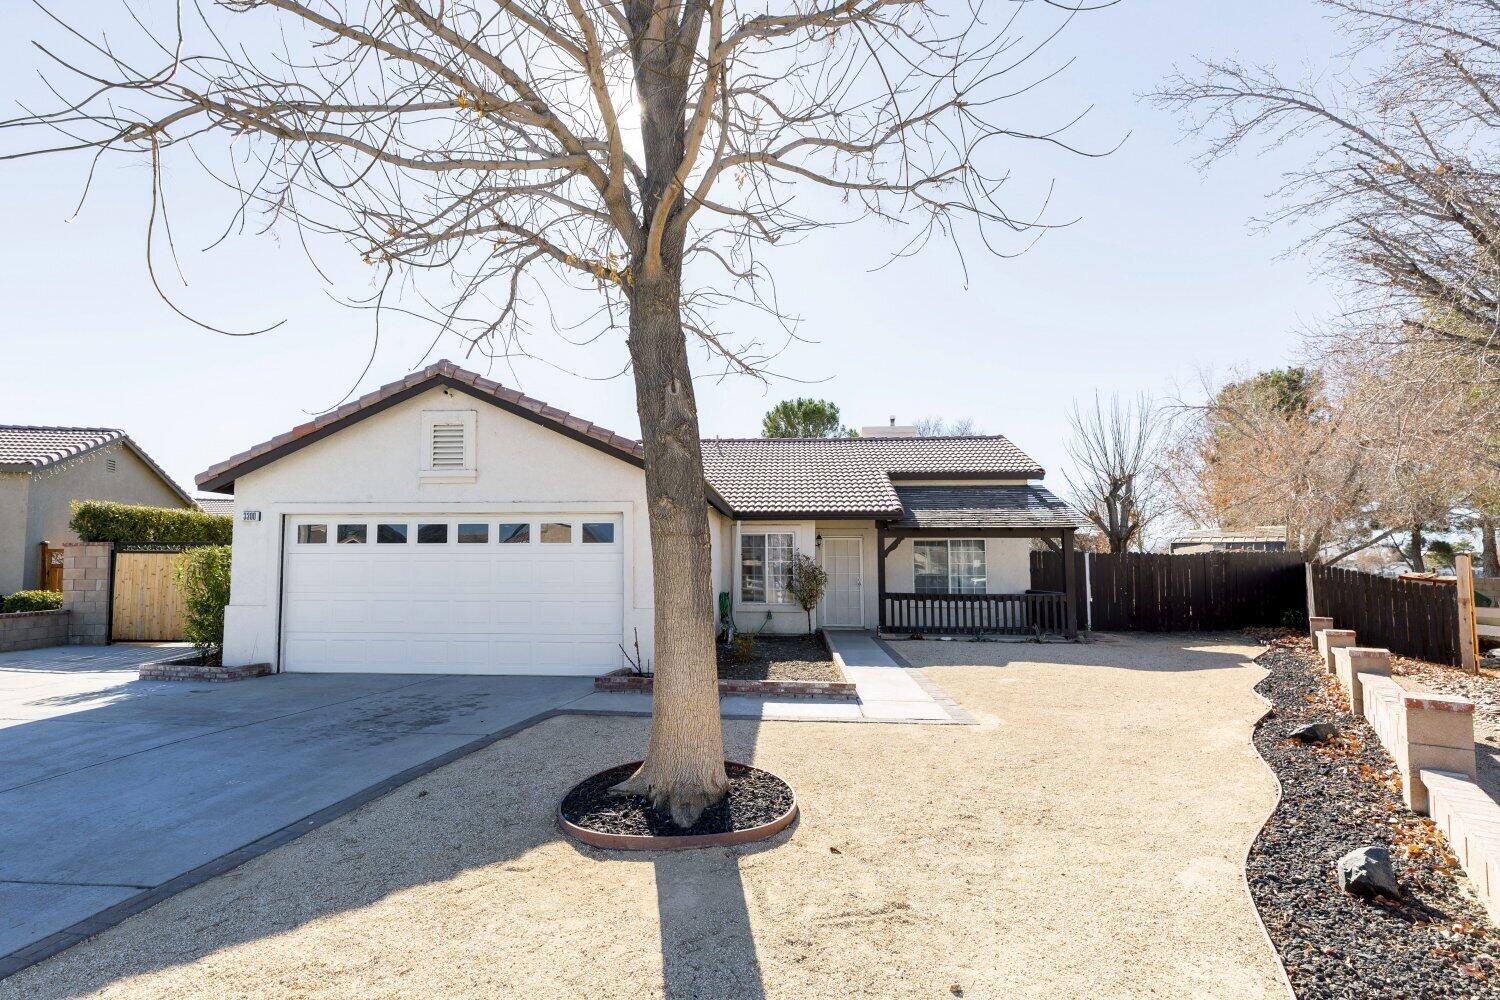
x: 984, y: 507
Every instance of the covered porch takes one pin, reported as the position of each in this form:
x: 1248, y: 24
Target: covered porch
x: 952, y: 588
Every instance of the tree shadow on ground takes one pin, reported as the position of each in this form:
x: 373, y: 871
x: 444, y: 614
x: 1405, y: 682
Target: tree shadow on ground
x: 479, y: 830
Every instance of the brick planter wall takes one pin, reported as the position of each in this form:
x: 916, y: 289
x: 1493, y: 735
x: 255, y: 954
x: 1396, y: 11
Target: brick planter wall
x: 32, y: 630
x: 186, y: 668
x: 624, y: 680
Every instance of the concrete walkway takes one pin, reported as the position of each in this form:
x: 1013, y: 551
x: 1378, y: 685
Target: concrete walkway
x: 887, y: 692
x: 112, y: 787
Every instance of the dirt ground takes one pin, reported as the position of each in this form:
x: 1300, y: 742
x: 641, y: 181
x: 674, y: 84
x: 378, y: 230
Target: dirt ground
x: 1085, y: 839
x: 782, y: 658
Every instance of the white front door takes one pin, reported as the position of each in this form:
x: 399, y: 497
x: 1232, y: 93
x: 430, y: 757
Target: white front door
x: 843, y: 601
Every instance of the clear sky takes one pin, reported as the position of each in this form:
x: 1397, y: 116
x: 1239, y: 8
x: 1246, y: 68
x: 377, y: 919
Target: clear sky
x: 1162, y: 278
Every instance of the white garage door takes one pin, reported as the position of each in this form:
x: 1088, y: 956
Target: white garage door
x: 422, y: 593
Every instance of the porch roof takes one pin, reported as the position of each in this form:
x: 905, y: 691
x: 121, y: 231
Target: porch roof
x: 983, y: 507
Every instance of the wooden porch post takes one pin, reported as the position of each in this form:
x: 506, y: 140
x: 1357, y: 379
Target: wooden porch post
x: 1070, y: 586
x: 879, y: 576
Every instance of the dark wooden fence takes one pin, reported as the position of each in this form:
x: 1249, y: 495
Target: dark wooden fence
x: 1405, y: 616
x: 975, y: 614
x: 1161, y: 593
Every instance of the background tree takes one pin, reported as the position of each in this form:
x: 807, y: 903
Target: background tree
x: 648, y: 151
x: 803, y: 418
x: 938, y: 427
x: 1116, y: 479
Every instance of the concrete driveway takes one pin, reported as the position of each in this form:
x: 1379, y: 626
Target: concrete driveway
x: 112, y: 787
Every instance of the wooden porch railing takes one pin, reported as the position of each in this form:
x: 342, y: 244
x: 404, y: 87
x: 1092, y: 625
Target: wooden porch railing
x: 973, y: 614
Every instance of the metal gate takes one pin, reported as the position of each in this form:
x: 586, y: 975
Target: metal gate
x: 146, y: 605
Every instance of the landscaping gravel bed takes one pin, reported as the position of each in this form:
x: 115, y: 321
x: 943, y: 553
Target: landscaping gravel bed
x: 755, y: 798
x: 782, y: 658
x: 1436, y: 942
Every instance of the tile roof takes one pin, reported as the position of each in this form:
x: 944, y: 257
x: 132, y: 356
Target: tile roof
x: 784, y: 476
x: 1261, y: 533
x: 747, y: 476
x: 215, y: 505
x: 984, y: 507
x: 24, y: 448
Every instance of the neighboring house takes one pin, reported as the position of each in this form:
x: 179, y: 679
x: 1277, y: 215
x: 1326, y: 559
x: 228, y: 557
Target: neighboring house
x: 1269, y: 538
x: 44, y: 469
x: 445, y: 523
x: 216, y: 505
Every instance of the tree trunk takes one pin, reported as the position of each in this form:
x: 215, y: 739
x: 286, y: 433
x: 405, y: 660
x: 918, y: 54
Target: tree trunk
x: 1414, y: 555
x: 683, y: 771
x: 1491, y: 553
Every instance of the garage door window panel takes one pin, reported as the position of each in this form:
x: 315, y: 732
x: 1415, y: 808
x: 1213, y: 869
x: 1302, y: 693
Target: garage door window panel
x: 353, y: 534
x: 312, y: 534
x: 514, y: 534
x: 432, y: 534
x: 390, y: 534
x: 473, y: 534
x: 557, y: 533
x: 598, y: 533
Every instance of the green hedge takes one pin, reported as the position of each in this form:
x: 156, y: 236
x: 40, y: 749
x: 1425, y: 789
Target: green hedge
x: 203, y: 580
x: 31, y: 600
x: 102, y: 521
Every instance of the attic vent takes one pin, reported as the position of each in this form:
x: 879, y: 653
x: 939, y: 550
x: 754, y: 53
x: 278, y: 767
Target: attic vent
x: 109, y: 465
x: 447, y: 445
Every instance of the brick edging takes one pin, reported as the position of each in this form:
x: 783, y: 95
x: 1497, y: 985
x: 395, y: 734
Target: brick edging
x: 624, y: 680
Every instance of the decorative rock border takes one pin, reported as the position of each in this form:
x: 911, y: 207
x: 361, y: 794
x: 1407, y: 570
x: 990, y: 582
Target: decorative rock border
x: 648, y: 842
x: 626, y: 680
x: 187, y: 668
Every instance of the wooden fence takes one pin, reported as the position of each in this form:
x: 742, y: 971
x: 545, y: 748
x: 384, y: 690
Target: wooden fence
x: 146, y: 605
x: 1165, y: 593
x: 1405, y: 616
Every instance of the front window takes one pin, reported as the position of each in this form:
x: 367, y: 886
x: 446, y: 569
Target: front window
x: 765, y: 566
x: 949, y: 566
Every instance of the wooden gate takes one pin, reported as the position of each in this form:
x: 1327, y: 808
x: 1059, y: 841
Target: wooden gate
x: 49, y: 567
x: 146, y: 606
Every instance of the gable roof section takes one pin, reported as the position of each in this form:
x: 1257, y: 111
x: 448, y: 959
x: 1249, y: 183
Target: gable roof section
x: 848, y: 477
x: 970, y: 507
x: 25, y: 448
x: 746, y: 477
x: 220, y: 478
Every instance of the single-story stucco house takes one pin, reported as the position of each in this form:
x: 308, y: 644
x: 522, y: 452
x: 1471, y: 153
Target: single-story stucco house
x: 44, y: 469
x: 445, y: 523
x: 1262, y: 538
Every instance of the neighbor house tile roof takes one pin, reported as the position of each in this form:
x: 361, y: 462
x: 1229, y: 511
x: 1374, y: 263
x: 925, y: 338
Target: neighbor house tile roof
x: 979, y: 506
x: 1261, y: 533
x: 215, y: 505
x: 24, y: 448
x: 784, y: 476
x: 747, y: 477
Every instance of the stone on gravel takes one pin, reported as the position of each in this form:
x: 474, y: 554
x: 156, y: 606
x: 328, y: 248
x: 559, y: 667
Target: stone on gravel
x: 1366, y: 872
x: 1314, y: 732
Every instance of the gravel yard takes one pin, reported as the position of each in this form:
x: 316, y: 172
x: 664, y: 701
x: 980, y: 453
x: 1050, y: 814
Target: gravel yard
x: 1084, y: 839
x: 1335, y: 798
x: 782, y: 658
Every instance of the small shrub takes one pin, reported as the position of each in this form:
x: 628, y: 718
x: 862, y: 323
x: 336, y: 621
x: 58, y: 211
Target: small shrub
x: 203, y: 579
x: 743, y: 649
x: 807, y: 583
x: 32, y: 600
x: 1294, y: 618
x: 123, y: 523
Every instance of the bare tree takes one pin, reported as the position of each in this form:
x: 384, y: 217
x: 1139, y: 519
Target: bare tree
x: 646, y: 150
x: 938, y: 427
x: 1116, y: 481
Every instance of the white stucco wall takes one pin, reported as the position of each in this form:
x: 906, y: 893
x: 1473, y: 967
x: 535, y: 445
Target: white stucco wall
x: 373, y: 466
x: 14, y: 492
x: 1007, y: 565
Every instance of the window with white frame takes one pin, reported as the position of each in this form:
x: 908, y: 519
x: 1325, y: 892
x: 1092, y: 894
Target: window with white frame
x: 766, y: 566
x: 448, y: 445
x: 949, y: 566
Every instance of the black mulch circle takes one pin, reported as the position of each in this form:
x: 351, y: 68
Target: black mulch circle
x: 755, y: 798
x: 1437, y: 942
